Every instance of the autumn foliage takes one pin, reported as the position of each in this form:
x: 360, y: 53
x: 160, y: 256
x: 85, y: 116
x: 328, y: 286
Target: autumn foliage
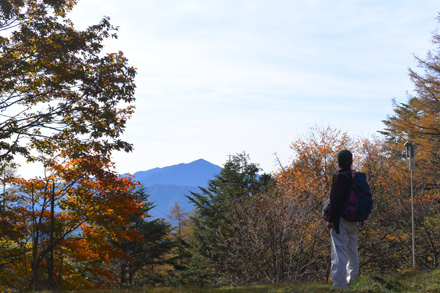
x: 65, y: 103
x: 81, y: 225
x: 276, y: 234
x: 91, y: 203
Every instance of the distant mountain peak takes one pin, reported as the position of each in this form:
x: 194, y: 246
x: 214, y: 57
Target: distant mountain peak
x: 196, y: 162
x: 170, y: 184
x: 196, y: 173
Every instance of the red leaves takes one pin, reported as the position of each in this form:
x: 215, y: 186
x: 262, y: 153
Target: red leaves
x: 92, y: 204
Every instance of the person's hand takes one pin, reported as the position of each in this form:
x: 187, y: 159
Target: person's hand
x: 330, y: 225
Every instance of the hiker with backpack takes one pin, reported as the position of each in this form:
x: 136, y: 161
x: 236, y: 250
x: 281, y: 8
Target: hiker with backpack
x: 350, y: 202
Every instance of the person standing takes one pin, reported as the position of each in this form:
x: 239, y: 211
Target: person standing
x: 344, y: 234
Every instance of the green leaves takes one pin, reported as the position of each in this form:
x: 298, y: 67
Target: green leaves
x: 215, y: 221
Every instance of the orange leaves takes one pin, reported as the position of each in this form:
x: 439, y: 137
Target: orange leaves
x: 68, y: 103
x: 92, y: 203
x: 309, y: 174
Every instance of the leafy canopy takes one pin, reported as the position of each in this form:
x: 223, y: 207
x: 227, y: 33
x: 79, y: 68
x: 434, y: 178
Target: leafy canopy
x: 57, y: 88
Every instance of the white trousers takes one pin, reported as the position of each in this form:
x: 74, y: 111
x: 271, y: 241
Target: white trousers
x: 344, y: 254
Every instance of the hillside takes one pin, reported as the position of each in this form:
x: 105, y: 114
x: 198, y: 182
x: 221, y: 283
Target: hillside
x: 170, y: 184
x: 403, y: 281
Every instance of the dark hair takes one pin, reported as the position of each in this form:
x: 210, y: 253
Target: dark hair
x: 345, y: 158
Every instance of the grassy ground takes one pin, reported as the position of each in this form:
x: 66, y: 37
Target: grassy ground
x: 406, y: 281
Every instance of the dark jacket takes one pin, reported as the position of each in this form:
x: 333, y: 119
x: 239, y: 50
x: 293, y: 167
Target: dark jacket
x: 338, y: 195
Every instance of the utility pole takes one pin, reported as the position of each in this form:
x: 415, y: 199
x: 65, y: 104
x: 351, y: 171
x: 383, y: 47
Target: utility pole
x: 412, y: 166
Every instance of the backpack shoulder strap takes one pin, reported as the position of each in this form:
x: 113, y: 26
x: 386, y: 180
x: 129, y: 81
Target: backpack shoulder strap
x: 349, y: 177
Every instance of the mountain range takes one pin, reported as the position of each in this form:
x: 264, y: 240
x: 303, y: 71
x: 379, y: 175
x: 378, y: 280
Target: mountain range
x: 170, y: 184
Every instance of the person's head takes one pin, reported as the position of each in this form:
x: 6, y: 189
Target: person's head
x: 345, y: 159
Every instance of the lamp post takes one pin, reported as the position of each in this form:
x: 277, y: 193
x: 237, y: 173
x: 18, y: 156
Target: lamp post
x: 410, y: 154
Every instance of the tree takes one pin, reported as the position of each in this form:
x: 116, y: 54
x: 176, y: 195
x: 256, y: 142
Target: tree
x: 141, y: 255
x: 418, y: 121
x: 57, y: 88
x: 91, y: 203
x: 215, y: 221
x: 65, y: 103
x: 304, y: 185
x: 306, y: 182
x: 180, y: 215
x: 180, y: 255
x: 269, y: 225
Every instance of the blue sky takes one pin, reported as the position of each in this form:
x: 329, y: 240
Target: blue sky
x: 221, y: 77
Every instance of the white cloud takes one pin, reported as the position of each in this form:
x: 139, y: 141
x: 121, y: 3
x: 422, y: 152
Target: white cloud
x: 219, y: 77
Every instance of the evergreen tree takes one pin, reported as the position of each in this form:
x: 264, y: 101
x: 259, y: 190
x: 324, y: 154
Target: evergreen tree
x: 142, y: 256
x: 215, y: 221
x: 180, y: 255
x: 418, y: 120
